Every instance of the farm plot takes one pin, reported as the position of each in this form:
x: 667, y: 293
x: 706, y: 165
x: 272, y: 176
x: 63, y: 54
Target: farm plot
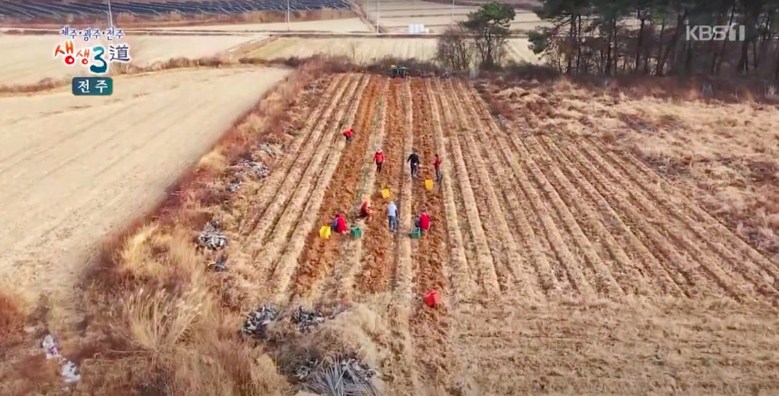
x: 523, y: 22
x: 30, y: 59
x: 360, y: 50
x: 369, y: 49
x: 344, y: 25
x: 84, y: 9
x: 73, y: 170
x: 395, y: 16
x: 554, y: 254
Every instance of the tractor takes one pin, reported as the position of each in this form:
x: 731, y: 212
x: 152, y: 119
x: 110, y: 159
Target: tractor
x: 398, y: 71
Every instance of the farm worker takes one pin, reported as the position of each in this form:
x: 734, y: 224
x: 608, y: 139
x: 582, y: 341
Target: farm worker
x: 392, y: 216
x: 437, y: 166
x: 365, y: 207
x: 423, y: 221
x: 413, y: 160
x: 378, y: 158
x: 348, y: 134
x: 339, y: 224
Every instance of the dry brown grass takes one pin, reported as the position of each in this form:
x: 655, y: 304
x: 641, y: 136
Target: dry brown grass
x: 723, y: 152
x: 47, y: 84
x: 11, y: 315
x: 156, y: 321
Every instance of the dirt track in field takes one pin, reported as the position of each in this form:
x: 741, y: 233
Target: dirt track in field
x: 75, y: 170
x: 565, y: 267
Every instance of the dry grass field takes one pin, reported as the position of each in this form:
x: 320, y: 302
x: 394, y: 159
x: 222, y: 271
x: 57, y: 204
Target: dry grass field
x: 28, y: 59
x: 369, y: 49
x: 724, y: 156
x: 568, y: 262
x: 74, y: 170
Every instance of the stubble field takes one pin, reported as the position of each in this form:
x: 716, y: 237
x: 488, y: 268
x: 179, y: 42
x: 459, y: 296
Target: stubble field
x: 368, y: 50
x: 566, y: 266
x: 28, y: 59
x: 75, y: 170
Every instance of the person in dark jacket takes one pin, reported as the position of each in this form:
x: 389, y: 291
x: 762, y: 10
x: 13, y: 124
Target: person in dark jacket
x: 413, y: 161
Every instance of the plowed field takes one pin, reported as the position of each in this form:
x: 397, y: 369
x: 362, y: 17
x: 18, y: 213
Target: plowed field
x: 565, y: 267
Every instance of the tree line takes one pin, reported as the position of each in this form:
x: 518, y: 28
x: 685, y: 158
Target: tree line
x: 660, y: 37
x: 610, y: 37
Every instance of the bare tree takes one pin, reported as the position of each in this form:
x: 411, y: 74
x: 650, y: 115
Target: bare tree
x: 455, y: 50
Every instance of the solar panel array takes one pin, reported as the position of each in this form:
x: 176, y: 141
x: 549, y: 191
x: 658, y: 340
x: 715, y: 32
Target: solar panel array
x: 31, y: 9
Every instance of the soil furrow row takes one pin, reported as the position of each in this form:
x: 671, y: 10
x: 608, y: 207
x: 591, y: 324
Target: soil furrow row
x: 377, y: 264
x: 468, y: 247
x: 663, y: 242
x: 570, y: 267
x: 429, y: 327
x: 402, y: 276
x: 318, y: 258
x: 281, y: 173
x: 257, y: 238
x: 617, y: 234
x: 711, y: 265
x: 603, y: 277
x: 462, y: 285
x: 402, y: 292
x: 341, y: 283
x: 620, y: 266
x: 285, y: 236
x: 506, y: 247
x: 486, y: 273
x: 707, y: 230
x: 542, y: 268
x: 689, y: 282
x: 559, y: 276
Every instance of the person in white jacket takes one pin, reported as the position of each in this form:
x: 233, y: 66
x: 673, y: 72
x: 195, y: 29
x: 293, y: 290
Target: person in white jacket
x: 392, y: 216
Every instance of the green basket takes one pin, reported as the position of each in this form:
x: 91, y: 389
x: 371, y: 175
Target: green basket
x: 355, y: 232
x: 416, y: 233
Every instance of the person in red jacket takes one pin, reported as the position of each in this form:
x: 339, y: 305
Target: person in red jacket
x: 378, y: 158
x: 339, y: 224
x: 423, y: 221
x: 437, y: 166
x: 348, y: 134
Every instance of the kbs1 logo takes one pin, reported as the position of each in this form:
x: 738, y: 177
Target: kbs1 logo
x: 96, y: 57
x: 732, y: 32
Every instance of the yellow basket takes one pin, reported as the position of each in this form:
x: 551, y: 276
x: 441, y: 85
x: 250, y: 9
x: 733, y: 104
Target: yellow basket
x: 324, y: 232
x: 385, y: 193
x: 429, y: 184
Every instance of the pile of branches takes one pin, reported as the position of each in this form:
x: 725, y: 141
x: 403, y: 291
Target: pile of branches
x: 256, y: 325
x: 212, y: 237
x: 302, y: 359
x: 247, y: 168
x: 257, y: 169
x: 307, y: 320
x: 343, y: 374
